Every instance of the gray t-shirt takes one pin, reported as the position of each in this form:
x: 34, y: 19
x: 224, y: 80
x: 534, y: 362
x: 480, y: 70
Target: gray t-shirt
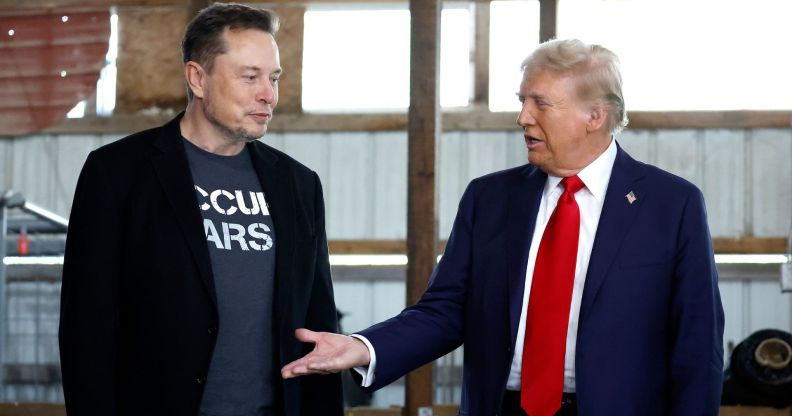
x: 241, y: 240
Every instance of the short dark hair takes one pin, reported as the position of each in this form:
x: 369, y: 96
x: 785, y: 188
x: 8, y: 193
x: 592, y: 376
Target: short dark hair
x: 203, y: 39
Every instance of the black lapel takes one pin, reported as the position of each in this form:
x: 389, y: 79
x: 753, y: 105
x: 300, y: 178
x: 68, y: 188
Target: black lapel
x: 173, y: 171
x: 615, y: 221
x: 524, y: 200
x: 279, y: 190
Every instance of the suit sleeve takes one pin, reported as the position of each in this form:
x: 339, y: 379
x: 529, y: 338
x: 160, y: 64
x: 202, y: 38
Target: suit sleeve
x: 322, y: 394
x: 696, y: 356
x: 89, y: 320
x: 435, y: 325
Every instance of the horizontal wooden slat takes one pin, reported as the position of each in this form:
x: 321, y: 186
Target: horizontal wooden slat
x: 750, y: 245
x: 745, y: 245
x: 452, y: 121
x: 709, y: 119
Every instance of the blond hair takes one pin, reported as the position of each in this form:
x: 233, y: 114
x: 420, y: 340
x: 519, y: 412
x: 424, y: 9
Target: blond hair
x: 595, y: 68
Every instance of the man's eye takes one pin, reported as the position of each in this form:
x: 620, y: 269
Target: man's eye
x: 275, y: 80
x: 250, y: 77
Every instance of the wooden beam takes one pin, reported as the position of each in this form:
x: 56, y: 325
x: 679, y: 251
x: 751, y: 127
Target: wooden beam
x: 423, y: 131
x: 741, y: 119
x: 722, y: 245
x: 548, y: 12
x: 481, y: 52
x: 290, y: 44
x: 453, y: 121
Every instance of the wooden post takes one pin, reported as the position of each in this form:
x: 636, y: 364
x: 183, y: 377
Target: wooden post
x: 481, y: 56
x: 548, y: 15
x: 290, y: 43
x: 423, y: 126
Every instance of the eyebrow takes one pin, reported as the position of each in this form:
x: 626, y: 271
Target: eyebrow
x: 258, y: 69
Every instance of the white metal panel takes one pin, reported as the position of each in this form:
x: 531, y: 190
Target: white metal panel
x: 313, y: 151
x: 6, y: 164
x: 355, y: 300
x: 771, y: 188
x: 452, y: 178
x: 678, y: 152
x: 769, y: 308
x: 724, y: 181
x: 389, y: 194
x: 734, y: 311
x: 640, y: 144
x: 34, y: 164
x: 350, y: 186
x: 72, y: 152
x: 276, y: 140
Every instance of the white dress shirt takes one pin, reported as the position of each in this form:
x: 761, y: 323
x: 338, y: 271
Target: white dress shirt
x: 590, y: 199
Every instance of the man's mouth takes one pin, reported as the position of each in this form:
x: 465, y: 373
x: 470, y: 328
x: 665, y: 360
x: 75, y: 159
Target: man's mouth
x: 531, y: 140
x: 261, y: 116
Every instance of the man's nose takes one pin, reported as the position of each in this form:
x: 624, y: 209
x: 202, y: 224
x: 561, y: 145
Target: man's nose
x: 266, y: 93
x: 525, y: 118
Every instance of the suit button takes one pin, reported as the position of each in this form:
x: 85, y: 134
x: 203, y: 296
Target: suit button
x: 210, y: 330
x: 200, y: 380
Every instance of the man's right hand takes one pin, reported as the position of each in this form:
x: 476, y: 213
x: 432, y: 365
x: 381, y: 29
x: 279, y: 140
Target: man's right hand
x: 332, y: 353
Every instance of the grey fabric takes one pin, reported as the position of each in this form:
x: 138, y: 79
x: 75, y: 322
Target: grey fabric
x: 241, y: 240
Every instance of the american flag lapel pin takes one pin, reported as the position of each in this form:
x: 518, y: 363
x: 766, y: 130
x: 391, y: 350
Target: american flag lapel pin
x: 631, y: 197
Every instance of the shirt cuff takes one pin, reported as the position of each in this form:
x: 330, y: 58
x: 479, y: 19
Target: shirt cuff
x: 367, y: 372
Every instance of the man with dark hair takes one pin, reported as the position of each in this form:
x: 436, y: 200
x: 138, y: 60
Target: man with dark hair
x: 194, y: 251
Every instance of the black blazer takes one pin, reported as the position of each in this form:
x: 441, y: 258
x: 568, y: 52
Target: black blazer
x: 138, y: 307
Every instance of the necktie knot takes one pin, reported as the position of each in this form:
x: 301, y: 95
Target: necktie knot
x: 572, y: 184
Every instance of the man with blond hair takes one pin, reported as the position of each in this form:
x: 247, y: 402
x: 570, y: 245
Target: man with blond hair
x: 583, y: 282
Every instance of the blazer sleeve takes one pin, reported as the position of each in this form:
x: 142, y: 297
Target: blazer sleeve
x: 696, y: 355
x: 89, y: 319
x: 435, y: 325
x: 322, y: 394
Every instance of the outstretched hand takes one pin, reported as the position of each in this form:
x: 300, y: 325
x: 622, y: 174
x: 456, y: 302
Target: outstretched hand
x: 332, y: 353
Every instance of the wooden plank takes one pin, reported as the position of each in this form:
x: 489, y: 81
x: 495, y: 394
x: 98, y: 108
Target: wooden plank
x: 471, y: 120
x: 548, y: 12
x: 710, y: 119
x: 481, y: 52
x: 423, y: 131
x: 32, y: 409
x: 290, y: 44
x: 743, y: 245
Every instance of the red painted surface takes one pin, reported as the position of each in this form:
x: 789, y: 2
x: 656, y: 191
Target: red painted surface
x: 47, y: 65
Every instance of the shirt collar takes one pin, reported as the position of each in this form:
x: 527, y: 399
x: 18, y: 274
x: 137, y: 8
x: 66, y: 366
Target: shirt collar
x: 595, y: 176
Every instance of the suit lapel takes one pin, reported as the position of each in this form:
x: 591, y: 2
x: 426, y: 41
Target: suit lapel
x: 616, y: 219
x: 173, y: 172
x: 523, y: 206
x: 279, y: 190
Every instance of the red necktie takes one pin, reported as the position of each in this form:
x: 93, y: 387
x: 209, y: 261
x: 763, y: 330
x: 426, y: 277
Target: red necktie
x: 547, y: 320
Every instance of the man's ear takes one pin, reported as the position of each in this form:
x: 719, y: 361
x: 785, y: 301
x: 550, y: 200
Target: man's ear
x: 195, y: 76
x: 598, y: 117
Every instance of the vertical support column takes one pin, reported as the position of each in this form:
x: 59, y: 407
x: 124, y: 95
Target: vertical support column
x: 424, y: 126
x: 548, y: 17
x: 481, y: 54
x: 290, y: 43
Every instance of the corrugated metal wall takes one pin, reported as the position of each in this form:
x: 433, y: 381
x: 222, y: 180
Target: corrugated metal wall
x: 746, y: 175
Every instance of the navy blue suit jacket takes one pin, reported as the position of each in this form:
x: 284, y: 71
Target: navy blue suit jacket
x: 650, y: 330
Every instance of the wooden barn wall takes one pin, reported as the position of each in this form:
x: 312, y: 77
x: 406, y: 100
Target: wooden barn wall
x: 746, y: 175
